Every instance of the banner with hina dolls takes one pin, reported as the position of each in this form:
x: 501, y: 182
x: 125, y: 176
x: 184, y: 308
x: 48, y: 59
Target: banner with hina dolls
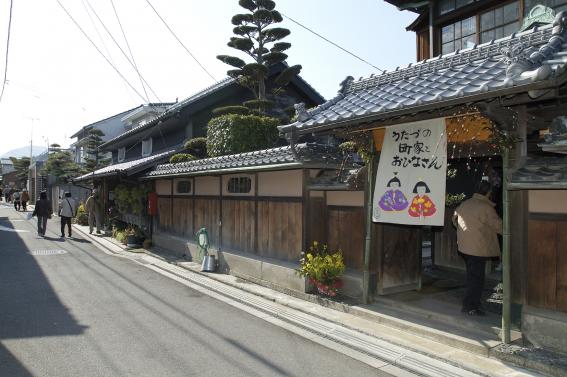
x: 411, y: 177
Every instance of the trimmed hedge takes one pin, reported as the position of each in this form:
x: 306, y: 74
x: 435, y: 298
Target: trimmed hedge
x: 197, y: 147
x: 181, y: 157
x: 230, y: 134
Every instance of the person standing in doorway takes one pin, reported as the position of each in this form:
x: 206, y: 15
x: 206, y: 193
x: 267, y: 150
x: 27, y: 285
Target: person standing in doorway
x: 67, y: 210
x: 43, y: 211
x: 477, y: 225
x: 93, y: 205
x: 25, y: 198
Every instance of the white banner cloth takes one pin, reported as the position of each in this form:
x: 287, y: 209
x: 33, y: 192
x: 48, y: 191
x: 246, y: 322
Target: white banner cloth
x: 411, y: 178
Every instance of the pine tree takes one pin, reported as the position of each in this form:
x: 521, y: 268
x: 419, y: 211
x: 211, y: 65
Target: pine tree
x: 21, y: 165
x: 259, y: 39
x: 60, y: 164
x: 95, y: 158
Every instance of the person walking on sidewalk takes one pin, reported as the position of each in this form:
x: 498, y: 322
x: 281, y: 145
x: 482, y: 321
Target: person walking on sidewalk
x: 43, y: 211
x: 25, y: 198
x: 17, y: 202
x: 93, y: 206
x: 477, y: 226
x: 67, y: 210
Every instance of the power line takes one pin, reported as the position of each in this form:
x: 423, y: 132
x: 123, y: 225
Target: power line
x: 104, y: 44
x: 331, y: 42
x: 130, y: 50
x: 100, y: 52
x: 178, y: 40
x: 7, y: 50
x: 123, y: 53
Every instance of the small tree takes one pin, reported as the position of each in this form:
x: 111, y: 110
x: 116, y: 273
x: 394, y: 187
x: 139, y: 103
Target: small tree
x: 21, y: 166
x: 95, y: 158
x: 257, y: 38
x: 60, y: 164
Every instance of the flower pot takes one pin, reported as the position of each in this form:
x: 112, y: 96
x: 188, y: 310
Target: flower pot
x: 329, y: 288
x: 132, y: 241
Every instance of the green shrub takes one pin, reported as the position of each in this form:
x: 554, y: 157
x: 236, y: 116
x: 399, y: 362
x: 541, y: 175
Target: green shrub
x: 82, y: 217
x: 181, y: 157
x: 241, y: 110
x: 230, y: 134
x: 197, y: 147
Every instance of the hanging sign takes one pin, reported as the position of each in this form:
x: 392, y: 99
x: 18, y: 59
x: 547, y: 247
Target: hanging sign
x: 410, y: 183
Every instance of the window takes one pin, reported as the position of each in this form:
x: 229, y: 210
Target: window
x: 147, y: 147
x: 183, y: 187
x: 446, y: 6
x: 121, y: 154
x: 461, y: 34
x: 556, y: 5
x: 500, y: 22
x: 239, y: 185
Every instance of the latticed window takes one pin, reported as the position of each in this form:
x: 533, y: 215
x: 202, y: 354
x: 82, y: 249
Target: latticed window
x: 461, y: 34
x: 183, y: 187
x: 446, y: 6
x: 500, y: 22
x: 239, y: 185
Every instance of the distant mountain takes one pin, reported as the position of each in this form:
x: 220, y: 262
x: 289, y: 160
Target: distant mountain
x: 24, y: 152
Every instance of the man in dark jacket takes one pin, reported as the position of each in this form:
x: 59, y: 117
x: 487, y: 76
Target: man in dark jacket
x: 43, y: 211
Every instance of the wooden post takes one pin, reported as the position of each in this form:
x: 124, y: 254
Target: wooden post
x: 368, y: 237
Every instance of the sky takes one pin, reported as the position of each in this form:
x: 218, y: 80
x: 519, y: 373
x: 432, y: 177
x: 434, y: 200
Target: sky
x: 57, y: 82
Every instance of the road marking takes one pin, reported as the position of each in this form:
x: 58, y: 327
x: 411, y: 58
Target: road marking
x: 6, y: 229
x: 48, y: 252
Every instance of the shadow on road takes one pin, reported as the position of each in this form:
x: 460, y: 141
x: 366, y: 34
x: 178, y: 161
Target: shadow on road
x: 29, y: 306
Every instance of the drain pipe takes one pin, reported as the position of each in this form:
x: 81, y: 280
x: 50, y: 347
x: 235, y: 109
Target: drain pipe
x: 368, y: 237
x: 506, y: 284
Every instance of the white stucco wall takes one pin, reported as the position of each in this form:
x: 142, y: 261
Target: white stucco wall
x: 163, y: 187
x: 345, y: 198
x: 281, y: 183
x: 548, y: 201
x: 206, y: 186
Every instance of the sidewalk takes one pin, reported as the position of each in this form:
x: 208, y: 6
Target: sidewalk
x: 382, y: 336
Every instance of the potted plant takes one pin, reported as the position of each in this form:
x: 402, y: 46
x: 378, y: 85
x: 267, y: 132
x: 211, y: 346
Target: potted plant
x: 322, y: 268
x: 131, y: 236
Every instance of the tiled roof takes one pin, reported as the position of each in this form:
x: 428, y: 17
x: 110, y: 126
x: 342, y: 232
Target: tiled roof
x: 127, y: 167
x: 511, y: 63
x: 194, y: 98
x: 540, y: 172
x: 306, y: 155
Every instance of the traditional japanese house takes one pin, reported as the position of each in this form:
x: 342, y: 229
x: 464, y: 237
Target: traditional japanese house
x: 496, y: 96
x: 152, y: 140
x: 260, y: 210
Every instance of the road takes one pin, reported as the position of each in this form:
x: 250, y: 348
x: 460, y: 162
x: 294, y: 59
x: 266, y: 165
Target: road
x: 68, y: 309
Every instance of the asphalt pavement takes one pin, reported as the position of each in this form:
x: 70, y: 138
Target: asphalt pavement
x: 69, y: 309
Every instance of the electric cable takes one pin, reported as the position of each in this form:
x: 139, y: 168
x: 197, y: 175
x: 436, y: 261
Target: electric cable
x: 104, y: 45
x: 331, y: 42
x: 100, y: 52
x: 130, y: 50
x: 178, y: 40
x: 123, y: 53
x: 7, y: 50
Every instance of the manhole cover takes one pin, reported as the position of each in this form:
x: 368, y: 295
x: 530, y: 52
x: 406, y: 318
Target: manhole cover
x: 48, y: 252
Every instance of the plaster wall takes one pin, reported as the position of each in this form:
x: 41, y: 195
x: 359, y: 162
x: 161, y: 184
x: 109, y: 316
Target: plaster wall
x: 345, y: 198
x: 163, y: 187
x: 548, y: 201
x: 207, y: 186
x: 281, y: 183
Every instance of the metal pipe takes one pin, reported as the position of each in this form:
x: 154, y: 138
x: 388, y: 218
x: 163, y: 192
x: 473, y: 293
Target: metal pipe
x: 506, y: 284
x: 368, y: 237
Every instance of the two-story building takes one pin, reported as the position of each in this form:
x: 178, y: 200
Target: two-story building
x: 156, y: 140
x: 494, y: 72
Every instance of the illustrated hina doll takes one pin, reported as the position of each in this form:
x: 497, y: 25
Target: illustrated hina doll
x: 421, y: 205
x: 393, y: 199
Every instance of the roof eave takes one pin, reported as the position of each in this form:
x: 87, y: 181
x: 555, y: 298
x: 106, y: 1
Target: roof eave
x: 542, y: 85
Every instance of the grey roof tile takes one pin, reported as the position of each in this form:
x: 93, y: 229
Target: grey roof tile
x: 127, y: 166
x: 315, y: 155
x: 478, y: 70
